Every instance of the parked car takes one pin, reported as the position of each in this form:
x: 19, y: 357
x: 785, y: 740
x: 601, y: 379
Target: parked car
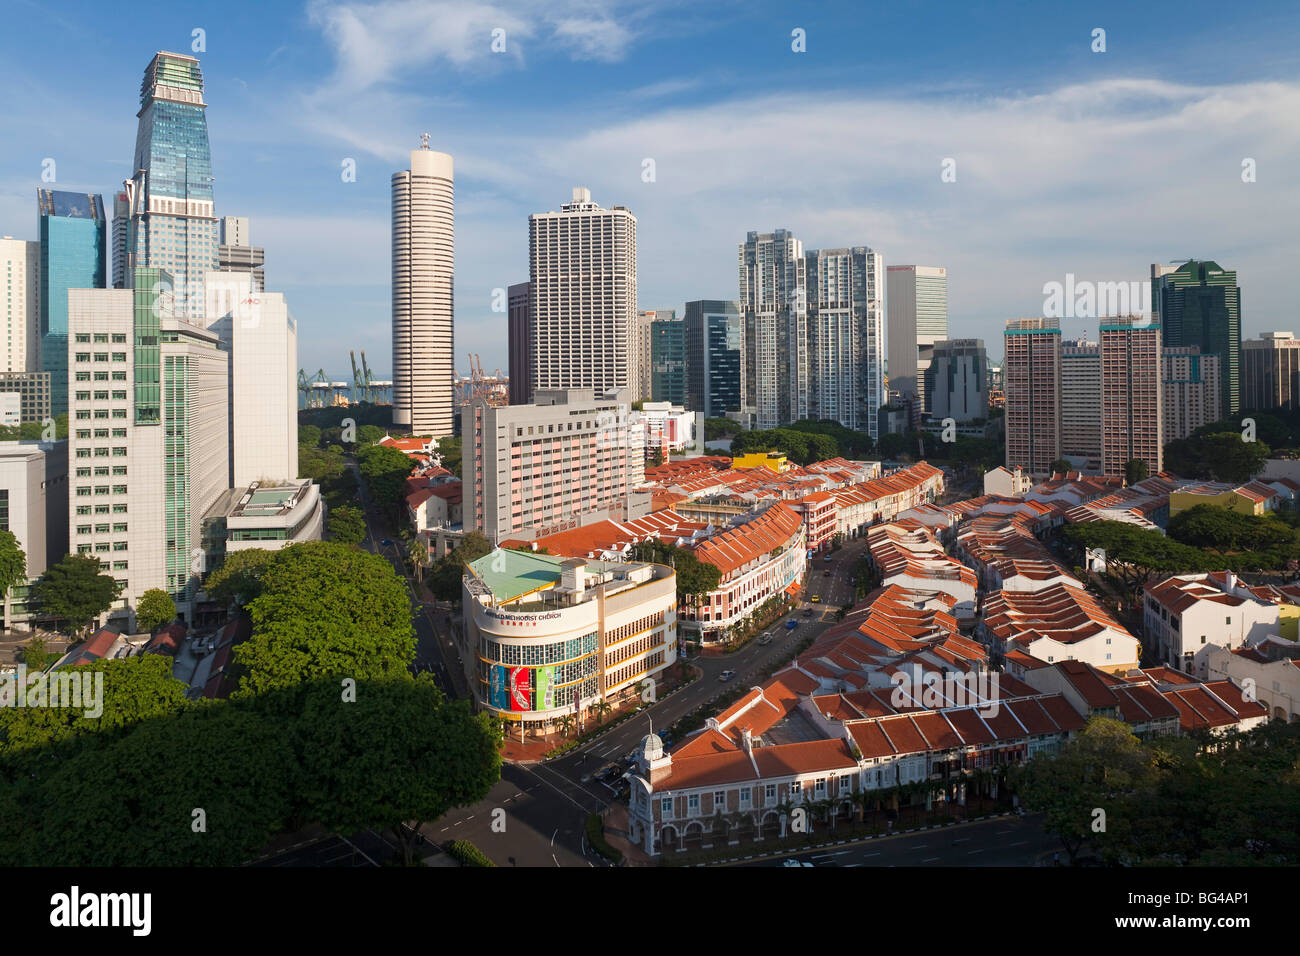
x: 826, y: 573
x: 791, y: 625
x: 796, y: 863
x: 816, y: 598
x: 765, y: 639
x: 726, y: 676
x: 827, y: 559
x: 808, y: 612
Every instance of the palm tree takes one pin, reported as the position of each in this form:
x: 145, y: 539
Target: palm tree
x: 567, y: 723
x: 417, y: 552
x: 601, y: 709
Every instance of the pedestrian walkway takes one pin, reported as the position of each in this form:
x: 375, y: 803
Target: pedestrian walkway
x: 616, y: 827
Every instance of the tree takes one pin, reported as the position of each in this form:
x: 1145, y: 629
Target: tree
x: 891, y: 446
x: 446, y: 574
x: 37, y: 656
x: 75, y: 590
x: 656, y: 458
x: 308, y: 435
x: 347, y: 525
x: 417, y: 552
x: 1135, y: 470
x: 1134, y: 553
x: 385, y: 471
x: 326, y: 610
x: 155, y: 609
x: 1222, y: 456
x: 1061, y: 466
x: 13, y: 563
x: 239, y: 579
x: 369, y: 434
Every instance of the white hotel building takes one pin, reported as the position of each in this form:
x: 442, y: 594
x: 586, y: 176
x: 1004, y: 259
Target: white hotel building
x: 547, y: 637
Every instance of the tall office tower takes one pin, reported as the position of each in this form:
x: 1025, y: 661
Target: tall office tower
x: 642, y: 374
x: 1132, y: 423
x: 20, y: 285
x: 1081, y: 399
x: 1031, y: 375
x: 715, y: 356
x: 774, y: 301
x: 164, y: 216
x: 73, y: 237
x: 1199, y: 303
x: 148, y: 448
x: 582, y: 271
x: 520, y: 334
x: 957, y: 380
x: 261, y: 340
x: 917, y: 298
x: 1270, y: 371
x: 846, y: 336
x: 574, y: 459
x: 1193, y: 394
x: 668, y: 361
x: 235, y: 253
x: 423, y: 271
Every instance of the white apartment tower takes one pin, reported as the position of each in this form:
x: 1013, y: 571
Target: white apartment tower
x: 20, y: 286
x: 1081, y: 400
x: 917, y: 302
x: 774, y: 301
x: 582, y: 276
x: 423, y: 271
x: 846, y: 331
x: 148, y: 438
x: 261, y: 339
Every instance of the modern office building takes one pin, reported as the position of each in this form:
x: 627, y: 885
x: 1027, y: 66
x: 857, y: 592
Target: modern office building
x: 846, y: 336
x: 546, y: 637
x: 715, y: 349
x: 33, y: 389
x: 260, y: 340
x: 520, y: 335
x: 917, y: 298
x: 1270, y: 371
x: 1031, y: 375
x: 582, y: 273
x: 1081, y: 400
x: 34, y: 507
x: 569, y: 458
x: 148, y: 437
x: 1193, y: 395
x: 1199, y: 304
x: 235, y: 253
x: 643, y: 342
x: 668, y: 361
x: 956, y: 380
x: 423, y: 274
x: 267, y: 515
x: 1132, y: 422
x: 774, y: 302
x: 73, y: 244
x: 20, y: 288
x: 164, y: 217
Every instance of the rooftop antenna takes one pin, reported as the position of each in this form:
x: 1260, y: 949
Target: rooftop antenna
x: 424, y: 141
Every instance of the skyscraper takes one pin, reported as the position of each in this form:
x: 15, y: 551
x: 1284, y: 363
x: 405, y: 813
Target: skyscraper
x: 957, y: 380
x: 73, y: 236
x: 1271, y: 371
x: 1199, y: 303
x: 917, y: 303
x: 423, y: 273
x: 164, y: 216
x: 668, y: 361
x: 20, y: 288
x: 1081, y: 400
x: 846, y: 337
x: 1031, y: 375
x: 236, y: 253
x: 715, y: 339
x: 774, y: 302
x: 520, y: 341
x: 1193, y: 395
x: 582, y: 271
x: 1131, y: 394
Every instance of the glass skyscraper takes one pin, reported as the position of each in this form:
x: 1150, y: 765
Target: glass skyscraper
x: 668, y: 361
x: 1199, y: 303
x: 164, y: 217
x: 73, y: 239
x: 715, y: 350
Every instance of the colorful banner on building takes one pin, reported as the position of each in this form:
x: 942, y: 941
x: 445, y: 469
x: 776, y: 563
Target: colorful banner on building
x: 499, y: 687
x: 521, y: 688
x: 544, y: 699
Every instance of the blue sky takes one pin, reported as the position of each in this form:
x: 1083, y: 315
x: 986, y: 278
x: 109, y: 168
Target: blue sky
x: 1068, y: 161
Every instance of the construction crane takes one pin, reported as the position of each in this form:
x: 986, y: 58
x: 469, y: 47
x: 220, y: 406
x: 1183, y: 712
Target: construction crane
x: 360, y: 387
x: 372, y: 393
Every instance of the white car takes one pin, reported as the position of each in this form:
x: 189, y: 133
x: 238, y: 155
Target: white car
x: 796, y: 863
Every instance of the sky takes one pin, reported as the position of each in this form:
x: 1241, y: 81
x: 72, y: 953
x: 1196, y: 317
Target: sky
x: 1067, y: 160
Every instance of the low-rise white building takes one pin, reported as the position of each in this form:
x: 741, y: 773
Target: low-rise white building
x: 1187, y: 615
x: 1267, y: 676
x: 666, y: 427
x: 1008, y: 482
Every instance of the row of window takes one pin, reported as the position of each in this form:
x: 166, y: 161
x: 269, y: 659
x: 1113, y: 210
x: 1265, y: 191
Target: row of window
x: 118, y: 509
x: 636, y: 627
x: 632, y: 648
x: 102, y: 396
x: 118, y: 528
x: 517, y: 654
x: 119, y: 338
x: 85, y: 490
x: 101, y: 547
x: 626, y: 673
x: 100, y: 356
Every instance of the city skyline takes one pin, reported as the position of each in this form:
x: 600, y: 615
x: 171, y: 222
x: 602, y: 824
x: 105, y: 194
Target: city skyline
x: 278, y: 159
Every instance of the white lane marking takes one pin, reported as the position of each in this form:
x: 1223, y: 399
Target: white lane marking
x: 930, y: 859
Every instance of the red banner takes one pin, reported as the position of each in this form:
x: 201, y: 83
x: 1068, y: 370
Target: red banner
x: 521, y: 685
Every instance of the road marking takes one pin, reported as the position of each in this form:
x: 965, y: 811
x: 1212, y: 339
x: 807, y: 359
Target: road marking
x: 930, y: 859
x: 553, y: 836
x: 1021, y: 843
x: 969, y: 852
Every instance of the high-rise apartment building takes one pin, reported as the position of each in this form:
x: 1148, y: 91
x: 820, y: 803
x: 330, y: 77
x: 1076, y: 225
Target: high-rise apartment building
x: 20, y: 289
x: 236, y: 253
x: 1193, y: 394
x: 73, y: 237
x: 917, y: 304
x: 846, y: 336
x: 1270, y: 371
x: 566, y: 460
x: 33, y: 390
x: 774, y: 302
x: 668, y: 361
x: 1199, y: 304
x: 520, y: 335
x: 260, y: 338
x: 1132, y: 421
x: 582, y: 272
x: 423, y: 273
x: 1031, y: 375
x: 148, y: 446
x: 715, y: 349
x: 643, y: 343
x: 164, y: 217
x: 1081, y: 399
x: 957, y: 380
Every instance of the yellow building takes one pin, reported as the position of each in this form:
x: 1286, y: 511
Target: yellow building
x: 758, y: 459
x: 1252, y: 498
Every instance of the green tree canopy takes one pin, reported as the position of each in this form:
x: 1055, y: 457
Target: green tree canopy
x: 385, y: 471
x: 446, y: 573
x: 155, y: 609
x: 13, y: 563
x: 1136, y: 470
x: 75, y: 590
x: 369, y: 434
x: 1223, y: 456
x: 239, y: 579
x: 1061, y: 466
x: 347, y: 525
x: 308, y: 435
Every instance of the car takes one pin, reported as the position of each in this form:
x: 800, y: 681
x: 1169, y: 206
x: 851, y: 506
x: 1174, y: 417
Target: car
x: 828, y: 559
x: 726, y: 675
x: 826, y: 573
x: 808, y: 612
x: 816, y: 598
x: 791, y: 625
x: 796, y: 863
x: 386, y: 543
x: 609, y: 773
x: 765, y: 640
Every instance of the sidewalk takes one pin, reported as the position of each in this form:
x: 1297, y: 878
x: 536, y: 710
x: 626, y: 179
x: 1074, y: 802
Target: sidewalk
x: 616, y: 836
